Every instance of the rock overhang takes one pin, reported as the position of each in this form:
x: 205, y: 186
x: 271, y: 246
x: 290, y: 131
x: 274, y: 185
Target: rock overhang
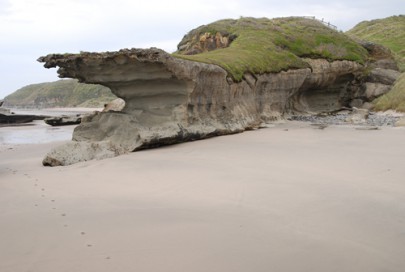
x: 170, y: 99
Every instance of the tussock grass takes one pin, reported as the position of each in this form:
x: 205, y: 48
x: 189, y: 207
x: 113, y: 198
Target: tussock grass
x: 395, y: 99
x: 389, y: 32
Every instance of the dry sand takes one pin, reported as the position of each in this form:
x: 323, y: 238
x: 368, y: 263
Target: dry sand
x: 301, y: 199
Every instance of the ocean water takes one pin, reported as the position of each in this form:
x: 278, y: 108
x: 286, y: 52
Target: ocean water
x: 37, y: 131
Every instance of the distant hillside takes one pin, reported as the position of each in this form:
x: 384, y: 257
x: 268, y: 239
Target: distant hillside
x: 61, y: 93
x: 389, y: 32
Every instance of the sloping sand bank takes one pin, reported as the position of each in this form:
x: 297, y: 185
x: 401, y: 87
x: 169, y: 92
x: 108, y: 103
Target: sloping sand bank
x: 285, y: 198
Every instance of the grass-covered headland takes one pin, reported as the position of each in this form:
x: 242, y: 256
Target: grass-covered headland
x: 272, y: 45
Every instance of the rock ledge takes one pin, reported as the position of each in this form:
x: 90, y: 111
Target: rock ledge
x: 170, y: 100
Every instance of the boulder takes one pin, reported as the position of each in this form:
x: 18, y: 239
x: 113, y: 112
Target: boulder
x: 400, y: 122
x: 16, y: 118
x: 356, y: 103
x: 117, y: 104
x: 5, y: 111
x: 368, y: 106
x: 389, y: 64
x: 80, y: 151
x: 374, y: 90
x: 63, y: 120
x: 358, y: 116
x: 383, y: 76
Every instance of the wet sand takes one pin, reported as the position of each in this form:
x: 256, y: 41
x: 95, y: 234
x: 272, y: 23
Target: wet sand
x: 286, y: 198
x: 35, y: 132
x: 55, y: 111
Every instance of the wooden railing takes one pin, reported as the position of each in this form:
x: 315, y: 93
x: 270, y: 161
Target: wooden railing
x: 328, y: 24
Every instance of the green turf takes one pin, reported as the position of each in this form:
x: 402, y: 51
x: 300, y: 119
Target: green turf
x: 389, y: 32
x: 395, y: 99
x: 264, y: 46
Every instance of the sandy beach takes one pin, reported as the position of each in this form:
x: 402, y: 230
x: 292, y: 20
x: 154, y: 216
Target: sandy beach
x: 289, y: 197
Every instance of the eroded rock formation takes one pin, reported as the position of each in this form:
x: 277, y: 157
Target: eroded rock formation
x: 206, y: 42
x: 379, y: 75
x: 170, y: 100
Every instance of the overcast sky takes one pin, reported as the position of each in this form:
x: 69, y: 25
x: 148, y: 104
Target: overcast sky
x: 33, y: 28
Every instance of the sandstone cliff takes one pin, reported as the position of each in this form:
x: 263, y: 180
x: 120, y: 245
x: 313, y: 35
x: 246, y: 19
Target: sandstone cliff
x: 170, y: 99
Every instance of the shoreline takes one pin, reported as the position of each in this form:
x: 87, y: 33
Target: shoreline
x: 34, y: 132
x: 288, y: 197
x: 46, y: 112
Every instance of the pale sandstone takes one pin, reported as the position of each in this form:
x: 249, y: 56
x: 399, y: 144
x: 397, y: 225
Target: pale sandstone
x: 170, y: 100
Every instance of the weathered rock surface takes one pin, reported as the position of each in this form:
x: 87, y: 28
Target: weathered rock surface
x: 63, y: 120
x: 358, y: 116
x: 400, y: 122
x: 170, y: 100
x: 206, y: 42
x: 380, y: 74
x: 383, y: 76
x: 74, y: 152
x: 4, y: 111
x: 7, y: 117
x: 344, y: 117
x: 16, y: 118
x: 374, y: 90
x: 115, y: 105
x: 327, y: 87
x: 378, y: 82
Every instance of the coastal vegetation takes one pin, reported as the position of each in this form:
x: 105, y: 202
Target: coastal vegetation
x: 250, y: 45
x: 271, y: 45
x: 389, y: 32
x: 395, y: 99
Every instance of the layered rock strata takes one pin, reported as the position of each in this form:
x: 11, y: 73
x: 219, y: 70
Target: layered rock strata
x: 170, y: 100
x: 379, y: 76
